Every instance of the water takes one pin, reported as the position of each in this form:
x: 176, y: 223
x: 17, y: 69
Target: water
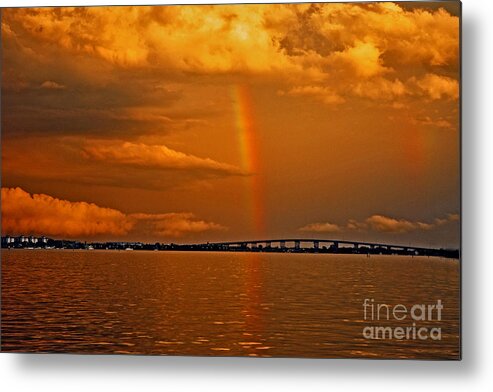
x: 300, y: 305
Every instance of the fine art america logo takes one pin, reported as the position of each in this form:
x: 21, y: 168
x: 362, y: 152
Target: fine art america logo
x: 378, y: 314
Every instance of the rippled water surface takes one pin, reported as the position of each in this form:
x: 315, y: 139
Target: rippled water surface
x: 246, y: 304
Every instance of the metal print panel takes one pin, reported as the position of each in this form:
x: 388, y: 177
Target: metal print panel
x: 263, y: 180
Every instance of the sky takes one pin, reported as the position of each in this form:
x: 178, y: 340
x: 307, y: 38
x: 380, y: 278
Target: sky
x: 207, y: 123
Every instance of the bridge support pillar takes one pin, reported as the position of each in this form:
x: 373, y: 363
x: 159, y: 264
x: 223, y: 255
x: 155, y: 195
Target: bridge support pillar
x: 282, y: 244
x: 297, y: 245
x: 316, y: 245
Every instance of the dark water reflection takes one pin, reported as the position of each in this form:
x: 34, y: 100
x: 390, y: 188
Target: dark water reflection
x: 219, y: 303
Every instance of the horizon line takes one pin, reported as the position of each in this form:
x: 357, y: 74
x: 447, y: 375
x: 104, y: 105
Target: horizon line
x: 238, y: 242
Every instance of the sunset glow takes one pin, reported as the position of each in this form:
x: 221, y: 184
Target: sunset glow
x: 228, y: 122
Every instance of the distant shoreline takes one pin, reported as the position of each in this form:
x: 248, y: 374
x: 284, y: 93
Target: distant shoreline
x: 361, y: 248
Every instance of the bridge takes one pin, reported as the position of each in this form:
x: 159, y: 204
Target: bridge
x: 311, y: 245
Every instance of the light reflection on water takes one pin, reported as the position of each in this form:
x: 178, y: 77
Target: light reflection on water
x: 218, y: 303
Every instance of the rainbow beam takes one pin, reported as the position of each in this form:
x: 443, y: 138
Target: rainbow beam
x: 250, y: 155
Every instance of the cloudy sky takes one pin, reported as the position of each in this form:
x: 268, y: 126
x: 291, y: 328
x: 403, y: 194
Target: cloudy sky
x: 192, y: 123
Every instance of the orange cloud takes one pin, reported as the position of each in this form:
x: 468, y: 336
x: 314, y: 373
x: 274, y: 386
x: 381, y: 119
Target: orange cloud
x: 353, y: 224
x: 437, y: 87
x: 40, y: 214
x: 51, y: 85
x: 453, y: 217
x: 153, y: 156
x: 286, y: 38
x: 380, y: 223
x: 439, y: 122
x: 335, y: 53
x: 321, y: 228
x: 23, y: 213
x: 222, y: 37
x: 177, y: 224
x: 364, y: 58
x: 380, y: 89
x: 386, y: 224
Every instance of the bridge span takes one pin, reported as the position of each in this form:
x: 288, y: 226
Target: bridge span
x: 316, y: 245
